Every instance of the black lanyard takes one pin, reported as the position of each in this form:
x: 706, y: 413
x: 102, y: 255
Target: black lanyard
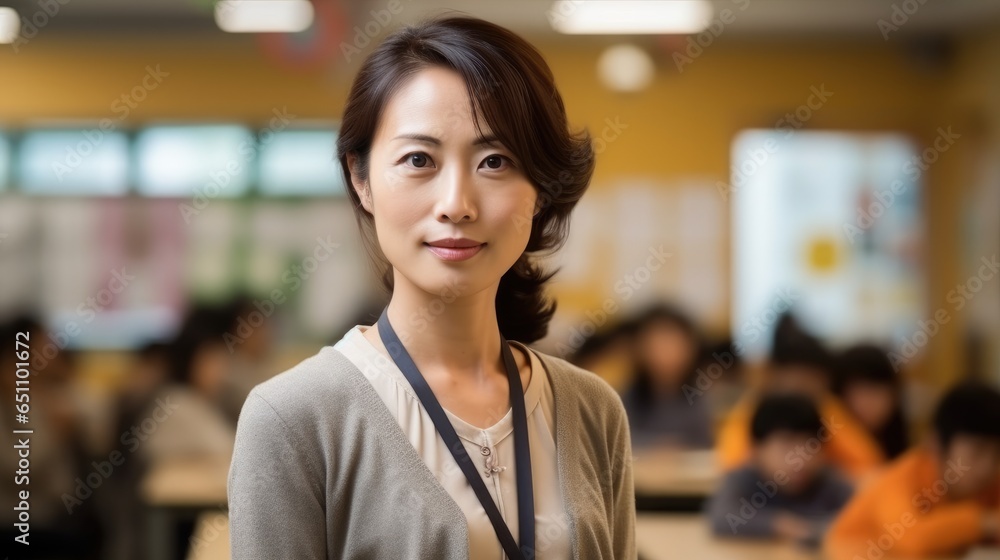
x: 525, y: 497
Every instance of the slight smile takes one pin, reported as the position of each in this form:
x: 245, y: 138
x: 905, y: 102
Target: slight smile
x: 454, y: 249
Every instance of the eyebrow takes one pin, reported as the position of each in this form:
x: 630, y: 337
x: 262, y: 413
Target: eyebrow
x: 488, y: 140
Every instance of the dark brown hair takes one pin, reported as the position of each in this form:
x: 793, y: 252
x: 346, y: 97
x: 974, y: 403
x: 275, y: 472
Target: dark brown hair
x: 512, y: 89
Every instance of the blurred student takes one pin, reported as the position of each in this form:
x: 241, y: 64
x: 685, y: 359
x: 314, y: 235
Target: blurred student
x: 870, y: 388
x: 125, y: 509
x: 941, y: 497
x: 248, y: 337
x: 721, y: 377
x: 662, y: 408
x: 799, y: 364
x: 786, y: 490
x: 185, y: 424
x: 608, y: 353
x: 187, y: 421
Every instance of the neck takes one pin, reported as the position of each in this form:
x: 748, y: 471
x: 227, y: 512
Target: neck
x: 455, y: 333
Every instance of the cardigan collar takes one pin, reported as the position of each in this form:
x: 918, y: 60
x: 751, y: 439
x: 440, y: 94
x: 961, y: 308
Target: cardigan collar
x: 566, y: 417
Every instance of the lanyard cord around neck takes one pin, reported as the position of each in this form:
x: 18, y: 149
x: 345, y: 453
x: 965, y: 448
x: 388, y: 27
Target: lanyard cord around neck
x: 525, y: 497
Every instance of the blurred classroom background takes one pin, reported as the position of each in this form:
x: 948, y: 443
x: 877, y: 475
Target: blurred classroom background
x: 777, y: 183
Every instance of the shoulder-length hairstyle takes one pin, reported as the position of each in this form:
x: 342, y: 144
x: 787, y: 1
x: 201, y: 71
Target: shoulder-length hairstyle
x: 512, y: 89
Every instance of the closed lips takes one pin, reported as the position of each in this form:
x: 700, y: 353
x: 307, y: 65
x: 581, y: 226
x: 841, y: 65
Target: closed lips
x: 454, y: 243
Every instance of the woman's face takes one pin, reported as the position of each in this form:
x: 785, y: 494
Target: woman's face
x: 431, y: 177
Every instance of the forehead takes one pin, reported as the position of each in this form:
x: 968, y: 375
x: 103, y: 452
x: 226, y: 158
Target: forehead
x: 434, y: 101
x: 963, y: 443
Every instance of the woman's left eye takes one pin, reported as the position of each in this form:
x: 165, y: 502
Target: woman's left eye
x: 495, y: 162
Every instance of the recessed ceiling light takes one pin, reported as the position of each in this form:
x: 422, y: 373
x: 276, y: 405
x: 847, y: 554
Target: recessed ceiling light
x: 10, y: 25
x: 263, y: 16
x: 626, y: 68
x: 613, y: 17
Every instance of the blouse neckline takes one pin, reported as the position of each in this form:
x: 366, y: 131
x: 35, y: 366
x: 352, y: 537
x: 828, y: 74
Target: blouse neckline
x: 493, y: 434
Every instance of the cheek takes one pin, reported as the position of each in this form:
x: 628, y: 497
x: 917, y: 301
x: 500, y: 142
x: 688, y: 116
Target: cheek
x: 397, y: 211
x: 772, y: 457
x: 511, y: 213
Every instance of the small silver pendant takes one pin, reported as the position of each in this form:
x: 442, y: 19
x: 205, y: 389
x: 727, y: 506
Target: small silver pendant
x: 491, y: 467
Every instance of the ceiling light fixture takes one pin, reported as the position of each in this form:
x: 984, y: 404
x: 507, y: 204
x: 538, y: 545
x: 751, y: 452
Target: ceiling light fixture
x: 10, y: 25
x: 263, y: 16
x: 622, y: 17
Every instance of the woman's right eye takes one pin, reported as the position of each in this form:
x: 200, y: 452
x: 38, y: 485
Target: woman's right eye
x: 418, y: 159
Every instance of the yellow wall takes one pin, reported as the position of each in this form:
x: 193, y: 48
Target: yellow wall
x: 681, y: 126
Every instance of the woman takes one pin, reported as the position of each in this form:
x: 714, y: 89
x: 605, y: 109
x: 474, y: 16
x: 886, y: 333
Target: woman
x: 458, y: 159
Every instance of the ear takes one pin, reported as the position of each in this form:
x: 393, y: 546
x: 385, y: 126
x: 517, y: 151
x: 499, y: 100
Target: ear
x: 363, y: 188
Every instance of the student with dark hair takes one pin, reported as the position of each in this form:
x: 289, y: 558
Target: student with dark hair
x: 248, y: 335
x: 409, y: 438
x: 663, y: 406
x: 721, y: 377
x: 190, y: 423
x: 938, y: 499
x: 786, y: 489
x: 871, y: 389
x: 800, y: 364
x: 608, y: 353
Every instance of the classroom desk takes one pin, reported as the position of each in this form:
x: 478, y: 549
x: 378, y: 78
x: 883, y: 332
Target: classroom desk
x: 672, y: 480
x: 667, y: 536
x: 673, y: 535
x: 658, y: 536
x: 180, y: 490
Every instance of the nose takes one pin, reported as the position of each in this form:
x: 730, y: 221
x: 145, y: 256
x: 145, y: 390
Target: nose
x: 457, y: 201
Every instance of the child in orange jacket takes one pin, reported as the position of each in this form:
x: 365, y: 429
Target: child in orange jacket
x: 940, y: 498
x: 803, y: 366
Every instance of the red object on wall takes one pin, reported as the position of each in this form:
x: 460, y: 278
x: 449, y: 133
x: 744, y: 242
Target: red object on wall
x: 313, y: 48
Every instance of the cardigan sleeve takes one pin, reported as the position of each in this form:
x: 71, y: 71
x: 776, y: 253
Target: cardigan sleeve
x: 275, y: 506
x: 623, y: 523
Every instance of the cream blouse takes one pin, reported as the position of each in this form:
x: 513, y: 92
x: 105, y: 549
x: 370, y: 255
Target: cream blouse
x: 551, y: 521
